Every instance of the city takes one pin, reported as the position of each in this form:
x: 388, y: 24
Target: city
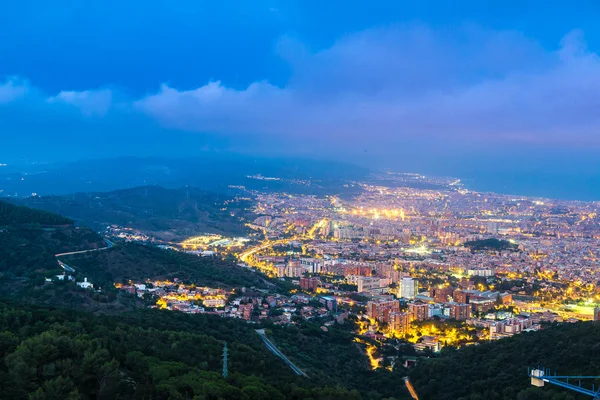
x: 273, y: 200
x: 434, y: 268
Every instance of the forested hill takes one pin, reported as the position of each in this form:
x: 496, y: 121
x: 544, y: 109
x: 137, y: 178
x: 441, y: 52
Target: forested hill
x: 163, y: 213
x: 498, y: 370
x: 29, y: 240
x: 12, y: 215
x: 148, y: 354
x: 137, y: 262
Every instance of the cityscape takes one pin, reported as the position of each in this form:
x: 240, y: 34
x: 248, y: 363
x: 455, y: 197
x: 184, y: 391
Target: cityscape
x: 432, y: 267
x: 296, y: 200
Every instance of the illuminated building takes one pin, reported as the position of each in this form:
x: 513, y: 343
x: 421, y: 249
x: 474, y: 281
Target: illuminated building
x: 408, y: 288
x: 418, y: 311
x: 214, y: 303
x: 430, y: 342
x: 486, y: 273
x: 399, y: 322
x: 381, y: 310
x: 442, y: 295
x: 312, y: 265
x: 366, y: 283
x: 459, y: 311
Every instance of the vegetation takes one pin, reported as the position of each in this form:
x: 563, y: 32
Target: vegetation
x: 12, y: 215
x: 29, y: 241
x: 333, y: 355
x: 137, y: 262
x: 164, y: 213
x: 148, y: 354
x: 498, y: 370
x: 491, y: 244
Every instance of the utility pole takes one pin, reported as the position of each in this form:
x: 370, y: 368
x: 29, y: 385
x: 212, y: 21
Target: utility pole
x: 225, y: 357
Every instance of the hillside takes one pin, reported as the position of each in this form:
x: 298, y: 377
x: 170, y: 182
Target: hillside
x: 12, y: 215
x: 163, y: 213
x: 139, y: 262
x: 334, y: 356
x: 148, y: 354
x: 30, y: 238
x: 498, y: 370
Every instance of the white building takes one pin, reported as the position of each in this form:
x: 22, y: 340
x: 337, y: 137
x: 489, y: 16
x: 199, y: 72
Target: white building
x: 367, y: 283
x: 85, y: 284
x: 408, y: 288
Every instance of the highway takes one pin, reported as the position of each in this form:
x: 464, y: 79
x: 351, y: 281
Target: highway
x: 109, y: 245
x: 278, y: 353
x: 309, y: 235
x: 67, y: 268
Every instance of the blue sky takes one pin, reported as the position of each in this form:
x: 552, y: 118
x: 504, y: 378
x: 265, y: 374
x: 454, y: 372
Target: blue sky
x: 463, y: 88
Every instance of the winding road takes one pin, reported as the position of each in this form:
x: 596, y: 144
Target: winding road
x: 67, y: 268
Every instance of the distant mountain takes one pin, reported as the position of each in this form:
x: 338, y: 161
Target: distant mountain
x: 164, y: 213
x: 211, y: 172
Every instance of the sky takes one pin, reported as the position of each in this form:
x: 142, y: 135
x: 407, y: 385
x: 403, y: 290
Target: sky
x: 506, y: 96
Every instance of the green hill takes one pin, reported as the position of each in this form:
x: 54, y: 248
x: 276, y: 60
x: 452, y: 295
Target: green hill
x: 12, y: 215
x: 498, y: 370
x: 164, y: 213
x: 139, y: 262
x: 149, y: 354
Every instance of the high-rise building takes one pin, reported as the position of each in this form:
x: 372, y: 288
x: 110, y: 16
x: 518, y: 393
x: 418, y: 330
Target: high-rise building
x: 460, y: 311
x: 408, y: 288
x: 442, y: 294
x: 462, y: 296
x: 310, y: 284
x: 399, y: 322
x: 312, y: 265
x: 418, y: 311
x: 381, y: 310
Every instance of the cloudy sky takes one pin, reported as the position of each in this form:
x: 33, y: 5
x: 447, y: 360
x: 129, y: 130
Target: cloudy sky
x: 506, y: 93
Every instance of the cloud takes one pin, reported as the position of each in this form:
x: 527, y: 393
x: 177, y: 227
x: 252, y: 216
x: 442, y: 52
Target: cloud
x: 13, y: 89
x: 400, y: 83
x: 90, y: 102
x: 380, y: 88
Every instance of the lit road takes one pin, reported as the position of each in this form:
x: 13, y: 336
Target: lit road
x: 67, y: 268
x: 244, y: 256
x: 411, y: 389
x: 109, y: 245
x: 309, y: 235
x: 278, y: 353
